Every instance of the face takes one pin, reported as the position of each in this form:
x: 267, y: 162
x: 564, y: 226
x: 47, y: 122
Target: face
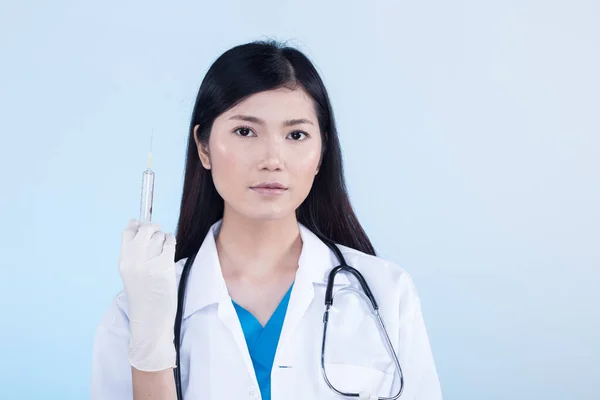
x: 264, y: 153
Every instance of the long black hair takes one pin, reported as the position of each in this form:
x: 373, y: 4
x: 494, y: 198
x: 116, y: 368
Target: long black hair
x: 238, y: 73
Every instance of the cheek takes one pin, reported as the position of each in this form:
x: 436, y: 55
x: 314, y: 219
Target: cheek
x: 312, y: 160
x: 306, y: 166
x: 227, y: 166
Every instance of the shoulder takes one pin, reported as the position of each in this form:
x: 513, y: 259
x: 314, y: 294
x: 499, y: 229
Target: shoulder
x: 385, y: 276
x: 368, y: 263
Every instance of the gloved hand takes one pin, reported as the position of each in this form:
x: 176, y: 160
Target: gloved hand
x: 147, y: 269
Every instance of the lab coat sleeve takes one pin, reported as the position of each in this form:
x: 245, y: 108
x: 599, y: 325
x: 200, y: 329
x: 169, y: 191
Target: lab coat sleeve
x: 421, y: 380
x: 111, y: 371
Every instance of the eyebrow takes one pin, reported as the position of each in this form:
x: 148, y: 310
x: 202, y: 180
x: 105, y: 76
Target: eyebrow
x: 256, y: 120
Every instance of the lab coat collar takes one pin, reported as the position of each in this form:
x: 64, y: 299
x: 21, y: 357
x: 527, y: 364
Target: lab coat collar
x: 206, y: 285
x: 316, y: 259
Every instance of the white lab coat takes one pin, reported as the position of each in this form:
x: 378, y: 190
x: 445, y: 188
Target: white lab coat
x: 215, y: 360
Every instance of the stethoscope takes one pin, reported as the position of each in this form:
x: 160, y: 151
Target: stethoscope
x: 366, y: 295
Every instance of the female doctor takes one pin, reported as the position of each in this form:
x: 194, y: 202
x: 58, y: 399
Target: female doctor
x: 263, y: 193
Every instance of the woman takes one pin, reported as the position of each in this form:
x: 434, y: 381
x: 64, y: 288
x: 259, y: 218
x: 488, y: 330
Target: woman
x: 263, y: 195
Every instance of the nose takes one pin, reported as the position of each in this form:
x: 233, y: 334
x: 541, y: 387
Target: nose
x: 272, y: 155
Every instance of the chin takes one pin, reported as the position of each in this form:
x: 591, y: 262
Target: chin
x: 269, y: 216
x: 268, y: 213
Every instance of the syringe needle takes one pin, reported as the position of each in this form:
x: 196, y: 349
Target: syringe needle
x: 150, y: 152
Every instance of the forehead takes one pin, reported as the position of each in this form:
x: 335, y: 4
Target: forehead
x: 276, y: 105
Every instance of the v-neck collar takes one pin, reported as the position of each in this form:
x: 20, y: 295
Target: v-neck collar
x: 273, y: 319
x: 262, y: 341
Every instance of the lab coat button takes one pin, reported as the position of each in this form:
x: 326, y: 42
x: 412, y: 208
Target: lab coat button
x: 252, y: 392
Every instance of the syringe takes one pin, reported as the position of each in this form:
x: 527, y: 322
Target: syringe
x: 147, y: 190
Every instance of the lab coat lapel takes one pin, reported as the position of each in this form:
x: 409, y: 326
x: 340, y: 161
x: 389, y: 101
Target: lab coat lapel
x: 313, y: 267
x: 300, y: 299
x: 227, y: 314
x: 206, y: 286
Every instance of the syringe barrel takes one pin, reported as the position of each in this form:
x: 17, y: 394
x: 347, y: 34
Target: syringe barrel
x: 147, y: 196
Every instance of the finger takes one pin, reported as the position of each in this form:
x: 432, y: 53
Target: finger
x: 169, y: 246
x: 155, y: 244
x: 130, y: 231
x: 145, y: 232
x: 168, y: 251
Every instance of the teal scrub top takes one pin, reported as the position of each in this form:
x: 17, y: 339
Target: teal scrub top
x: 262, y: 341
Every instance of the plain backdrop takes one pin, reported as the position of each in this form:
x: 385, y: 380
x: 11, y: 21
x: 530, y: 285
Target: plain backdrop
x: 471, y: 141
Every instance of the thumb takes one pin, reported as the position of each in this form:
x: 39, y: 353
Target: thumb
x: 169, y: 246
x: 170, y: 240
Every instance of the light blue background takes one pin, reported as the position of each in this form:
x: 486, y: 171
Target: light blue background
x: 471, y: 136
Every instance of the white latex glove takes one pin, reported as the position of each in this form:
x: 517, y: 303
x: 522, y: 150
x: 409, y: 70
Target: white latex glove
x: 147, y: 269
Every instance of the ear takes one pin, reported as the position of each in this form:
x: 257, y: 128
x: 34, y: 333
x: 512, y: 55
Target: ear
x: 203, y: 152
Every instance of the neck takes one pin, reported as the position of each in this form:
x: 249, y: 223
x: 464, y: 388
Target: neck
x: 257, y: 249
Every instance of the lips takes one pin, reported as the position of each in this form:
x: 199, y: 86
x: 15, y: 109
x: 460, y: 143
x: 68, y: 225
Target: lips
x: 269, y: 188
x: 269, y: 185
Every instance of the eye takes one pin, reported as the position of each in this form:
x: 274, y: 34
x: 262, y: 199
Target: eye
x: 243, y: 131
x: 298, y: 135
